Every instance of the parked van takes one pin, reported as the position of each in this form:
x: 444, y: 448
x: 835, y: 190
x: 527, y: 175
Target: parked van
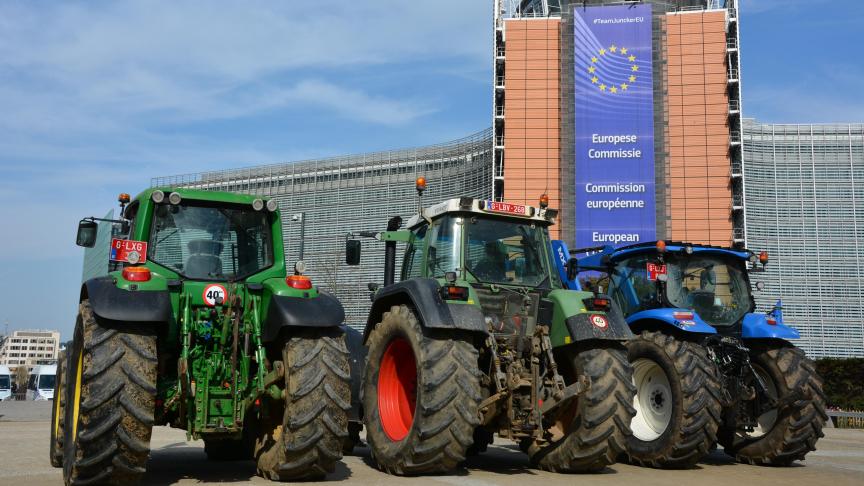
x: 5, y: 383
x: 41, y: 384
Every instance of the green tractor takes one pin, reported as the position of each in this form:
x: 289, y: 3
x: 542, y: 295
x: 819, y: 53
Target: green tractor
x: 198, y: 326
x: 479, y: 338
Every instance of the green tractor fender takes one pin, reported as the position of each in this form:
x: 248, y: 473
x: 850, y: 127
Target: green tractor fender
x: 287, y: 312
x: 111, y: 302
x: 424, y: 297
x: 573, y: 322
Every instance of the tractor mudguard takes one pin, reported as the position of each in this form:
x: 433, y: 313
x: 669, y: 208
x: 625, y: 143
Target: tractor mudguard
x: 584, y: 327
x: 755, y: 326
x: 109, y: 302
x: 322, y: 311
x: 357, y: 352
x: 432, y: 311
x: 667, y: 317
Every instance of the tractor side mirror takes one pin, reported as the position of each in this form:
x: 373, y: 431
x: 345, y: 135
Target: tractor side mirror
x: 86, y: 233
x: 352, y: 252
x: 572, y: 268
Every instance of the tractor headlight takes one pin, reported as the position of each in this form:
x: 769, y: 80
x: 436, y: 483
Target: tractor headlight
x: 258, y: 204
x: 299, y: 267
x: 272, y: 205
x: 760, y: 286
x: 175, y: 198
x: 157, y: 196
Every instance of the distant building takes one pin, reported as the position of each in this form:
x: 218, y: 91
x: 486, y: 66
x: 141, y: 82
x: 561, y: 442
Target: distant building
x: 30, y: 347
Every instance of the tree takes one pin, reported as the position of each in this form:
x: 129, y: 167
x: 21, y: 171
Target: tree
x: 21, y: 377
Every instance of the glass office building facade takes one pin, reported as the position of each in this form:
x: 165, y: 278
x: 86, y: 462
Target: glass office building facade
x: 804, y: 204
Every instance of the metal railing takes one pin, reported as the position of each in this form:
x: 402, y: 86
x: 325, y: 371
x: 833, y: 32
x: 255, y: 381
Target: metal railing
x: 733, y: 75
x: 734, y: 106
x: 734, y: 136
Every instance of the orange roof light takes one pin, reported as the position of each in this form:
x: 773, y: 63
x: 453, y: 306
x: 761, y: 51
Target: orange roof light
x: 544, y: 201
x: 763, y: 257
x: 123, y: 198
x: 420, y: 184
x: 661, y: 246
x: 136, y: 274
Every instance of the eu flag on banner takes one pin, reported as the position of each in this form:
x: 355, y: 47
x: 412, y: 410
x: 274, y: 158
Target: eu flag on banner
x: 614, y: 125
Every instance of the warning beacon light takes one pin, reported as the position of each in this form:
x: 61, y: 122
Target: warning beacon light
x: 763, y: 257
x: 661, y: 246
x: 544, y: 201
x: 420, y: 184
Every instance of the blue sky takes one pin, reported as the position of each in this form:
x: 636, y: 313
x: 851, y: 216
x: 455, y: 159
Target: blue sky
x: 97, y: 97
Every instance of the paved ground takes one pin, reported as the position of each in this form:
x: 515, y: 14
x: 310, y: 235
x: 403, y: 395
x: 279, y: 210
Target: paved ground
x: 24, y: 460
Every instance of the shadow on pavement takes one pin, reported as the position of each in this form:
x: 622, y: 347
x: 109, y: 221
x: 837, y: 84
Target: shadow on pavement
x: 175, y: 462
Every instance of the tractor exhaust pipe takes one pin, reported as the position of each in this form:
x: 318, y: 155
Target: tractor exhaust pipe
x: 390, y: 252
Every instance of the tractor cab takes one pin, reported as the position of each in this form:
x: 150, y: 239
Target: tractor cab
x: 707, y: 288
x: 488, y: 252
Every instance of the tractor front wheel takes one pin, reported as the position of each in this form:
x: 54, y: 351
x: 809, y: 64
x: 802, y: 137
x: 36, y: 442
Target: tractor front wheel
x: 110, y: 391
x: 58, y: 410
x: 303, y: 435
x: 785, y: 434
x: 421, y: 392
x: 678, y: 407
x: 596, y: 427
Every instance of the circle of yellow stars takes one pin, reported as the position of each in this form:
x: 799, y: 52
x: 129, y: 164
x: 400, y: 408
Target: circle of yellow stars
x: 612, y: 88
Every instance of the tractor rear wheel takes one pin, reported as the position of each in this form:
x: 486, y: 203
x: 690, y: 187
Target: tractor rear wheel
x: 58, y: 411
x: 303, y: 436
x: 678, y: 406
x: 421, y: 392
x: 787, y: 434
x: 110, y: 400
x: 596, y: 427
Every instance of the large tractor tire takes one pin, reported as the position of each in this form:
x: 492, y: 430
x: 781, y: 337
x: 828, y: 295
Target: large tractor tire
x: 58, y: 410
x: 678, y: 402
x: 421, y: 392
x: 788, y: 434
x: 303, y: 436
x: 596, y: 427
x: 110, y: 399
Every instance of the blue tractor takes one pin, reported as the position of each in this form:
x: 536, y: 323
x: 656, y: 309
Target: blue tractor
x: 708, y: 368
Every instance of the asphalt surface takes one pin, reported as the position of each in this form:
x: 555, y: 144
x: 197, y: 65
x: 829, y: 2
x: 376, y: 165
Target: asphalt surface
x: 838, y: 461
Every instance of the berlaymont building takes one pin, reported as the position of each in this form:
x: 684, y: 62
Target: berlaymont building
x: 629, y: 116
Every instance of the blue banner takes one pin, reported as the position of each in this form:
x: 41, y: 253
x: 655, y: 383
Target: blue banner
x: 614, y: 125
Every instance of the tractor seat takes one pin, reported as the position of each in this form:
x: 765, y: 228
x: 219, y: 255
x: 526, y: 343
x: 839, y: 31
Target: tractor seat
x: 204, y: 258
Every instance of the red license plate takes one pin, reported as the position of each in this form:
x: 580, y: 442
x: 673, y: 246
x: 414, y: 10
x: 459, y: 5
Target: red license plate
x: 502, y: 207
x: 128, y: 251
x: 655, y: 270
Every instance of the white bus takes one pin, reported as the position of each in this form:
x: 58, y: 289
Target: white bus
x: 5, y: 383
x: 41, y: 385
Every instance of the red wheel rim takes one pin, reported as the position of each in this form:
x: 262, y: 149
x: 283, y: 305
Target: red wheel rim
x: 397, y: 389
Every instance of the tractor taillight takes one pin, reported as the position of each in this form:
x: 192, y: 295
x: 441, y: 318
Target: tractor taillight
x: 454, y: 292
x: 136, y: 274
x: 683, y: 316
x: 301, y: 282
x: 771, y: 321
x: 599, y: 303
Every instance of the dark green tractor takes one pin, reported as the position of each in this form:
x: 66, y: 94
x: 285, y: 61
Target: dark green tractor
x: 479, y: 338
x: 198, y: 326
